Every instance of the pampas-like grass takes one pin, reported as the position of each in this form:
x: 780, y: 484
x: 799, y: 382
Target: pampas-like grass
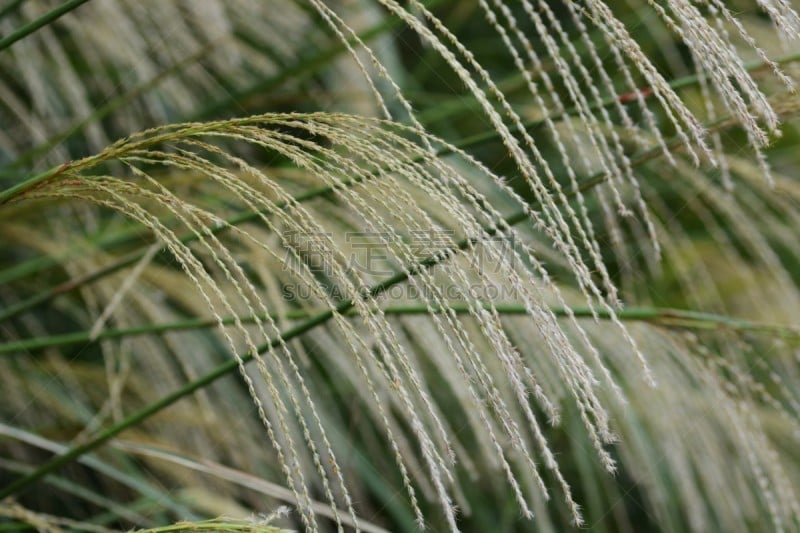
x: 492, y: 315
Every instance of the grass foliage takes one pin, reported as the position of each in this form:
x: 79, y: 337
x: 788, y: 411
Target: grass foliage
x: 378, y: 265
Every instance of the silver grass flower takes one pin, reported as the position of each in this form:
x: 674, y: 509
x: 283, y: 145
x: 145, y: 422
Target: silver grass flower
x: 596, y: 318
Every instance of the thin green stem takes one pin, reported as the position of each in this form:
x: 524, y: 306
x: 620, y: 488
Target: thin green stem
x: 40, y: 22
x: 31, y: 183
x: 667, y: 317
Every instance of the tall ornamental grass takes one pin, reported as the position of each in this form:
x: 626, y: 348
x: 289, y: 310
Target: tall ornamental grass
x: 390, y: 266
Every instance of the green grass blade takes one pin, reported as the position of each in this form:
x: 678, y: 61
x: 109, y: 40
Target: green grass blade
x: 659, y: 316
x: 39, y: 23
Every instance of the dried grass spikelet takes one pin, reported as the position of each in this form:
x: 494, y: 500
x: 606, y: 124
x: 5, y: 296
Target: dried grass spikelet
x: 377, y: 152
x: 716, y: 56
x: 377, y: 170
x: 360, y: 159
x: 711, y: 47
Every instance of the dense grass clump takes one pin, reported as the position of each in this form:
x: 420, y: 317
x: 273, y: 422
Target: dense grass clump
x: 379, y: 265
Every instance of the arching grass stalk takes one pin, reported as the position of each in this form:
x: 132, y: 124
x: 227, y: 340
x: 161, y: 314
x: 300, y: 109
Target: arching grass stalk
x: 307, y: 325
x: 38, y: 264
x: 31, y: 183
x: 658, y: 316
x: 133, y: 257
x: 39, y: 23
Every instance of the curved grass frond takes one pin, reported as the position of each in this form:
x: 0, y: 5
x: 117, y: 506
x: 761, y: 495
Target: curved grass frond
x: 603, y: 283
